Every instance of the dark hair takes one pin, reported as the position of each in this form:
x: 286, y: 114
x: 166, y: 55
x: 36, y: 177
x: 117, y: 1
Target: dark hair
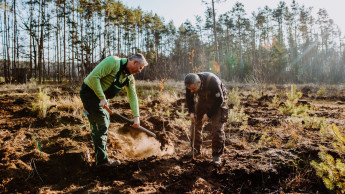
x: 191, y: 78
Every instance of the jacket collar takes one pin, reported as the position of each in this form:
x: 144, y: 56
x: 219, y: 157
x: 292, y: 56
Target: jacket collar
x: 123, y: 69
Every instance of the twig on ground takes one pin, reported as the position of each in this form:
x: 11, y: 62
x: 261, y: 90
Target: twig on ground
x: 34, y: 169
x: 172, y: 184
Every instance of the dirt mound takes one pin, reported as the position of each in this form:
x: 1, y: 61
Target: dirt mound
x: 160, y: 124
x: 55, y: 119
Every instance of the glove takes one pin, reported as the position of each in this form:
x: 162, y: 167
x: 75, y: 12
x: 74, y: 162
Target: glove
x: 136, y: 123
x: 103, y: 103
x: 204, y: 118
x: 192, y: 117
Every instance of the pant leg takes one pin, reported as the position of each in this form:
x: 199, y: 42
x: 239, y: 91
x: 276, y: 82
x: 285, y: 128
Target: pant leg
x: 99, y: 120
x: 99, y: 123
x: 218, y: 135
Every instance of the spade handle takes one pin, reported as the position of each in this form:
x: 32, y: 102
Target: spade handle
x: 130, y: 122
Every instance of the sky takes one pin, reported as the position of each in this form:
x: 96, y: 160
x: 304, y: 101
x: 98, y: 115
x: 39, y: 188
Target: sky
x: 181, y: 10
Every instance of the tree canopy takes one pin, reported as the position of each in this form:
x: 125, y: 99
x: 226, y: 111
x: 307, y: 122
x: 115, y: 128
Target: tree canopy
x: 64, y: 39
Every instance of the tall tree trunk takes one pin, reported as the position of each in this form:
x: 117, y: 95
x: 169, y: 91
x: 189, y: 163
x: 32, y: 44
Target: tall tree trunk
x: 3, y: 49
x: 73, y: 42
x: 64, y: 40
x: 31, y: 38
x: 14, y: 51
x: 82, y: 51
x: 7, y: 42
x: 34, y: 46
x: 100, y: 41
x: 92, y: 43
x: 118, y: 40
x: 48, y: 62
x: 215, y: 32
x: 40, y: 45
x: 58, y: 72
x: 5, y: 46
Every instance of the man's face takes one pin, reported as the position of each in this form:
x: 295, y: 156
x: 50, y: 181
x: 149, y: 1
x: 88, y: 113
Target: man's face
x: 135, y: 66
x: 194, y: 87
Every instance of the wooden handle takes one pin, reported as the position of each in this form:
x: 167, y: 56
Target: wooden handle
x: 109, y: 111
x: 131, y: 122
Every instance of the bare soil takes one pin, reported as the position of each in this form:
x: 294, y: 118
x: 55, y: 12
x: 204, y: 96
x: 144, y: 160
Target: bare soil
x: 257, y: 157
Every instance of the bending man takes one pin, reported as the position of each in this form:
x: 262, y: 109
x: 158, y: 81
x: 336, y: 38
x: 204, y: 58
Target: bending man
x: 211, y: 104
x: 103, y: 83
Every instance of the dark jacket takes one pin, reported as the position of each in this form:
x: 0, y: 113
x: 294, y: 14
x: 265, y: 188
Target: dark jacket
x: 211, y: 90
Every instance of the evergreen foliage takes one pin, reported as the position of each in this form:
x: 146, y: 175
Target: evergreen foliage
x: 65, y: 40
x: 331, y: 168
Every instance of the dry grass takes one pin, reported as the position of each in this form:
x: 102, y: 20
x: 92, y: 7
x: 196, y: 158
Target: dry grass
x: 24, y: 87
x: 42, y: 103
x: 268, y: 140
x: 168, y: 97
x: 71, y: 104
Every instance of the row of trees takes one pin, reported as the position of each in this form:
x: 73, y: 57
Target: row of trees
x: 65, y: 39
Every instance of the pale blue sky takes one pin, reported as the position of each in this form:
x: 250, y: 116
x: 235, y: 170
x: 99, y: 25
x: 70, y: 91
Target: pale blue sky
x: 181, y: 10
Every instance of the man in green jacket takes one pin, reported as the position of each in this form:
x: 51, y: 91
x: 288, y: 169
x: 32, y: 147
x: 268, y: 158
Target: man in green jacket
x: 103, y: 83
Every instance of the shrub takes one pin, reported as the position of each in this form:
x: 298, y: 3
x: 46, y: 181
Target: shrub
x: 234, y: 97
x: 313, y: 123
x: 291, y: 109
x: 254, y: 94
x: 42, y: 104
x: 330, y: 169
x: 237, y: 116
x: 275, y: 101
x: 293, y: 94
x: 321, y: 92
x: 182, y: 121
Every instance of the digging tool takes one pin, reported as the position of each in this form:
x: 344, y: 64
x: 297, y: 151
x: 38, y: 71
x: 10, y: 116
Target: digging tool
x: 130, y: 122
x: 193, y: 139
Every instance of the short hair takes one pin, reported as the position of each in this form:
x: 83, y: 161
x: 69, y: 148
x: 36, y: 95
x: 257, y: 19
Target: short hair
x: 191, y: 78
x: 139, y: 57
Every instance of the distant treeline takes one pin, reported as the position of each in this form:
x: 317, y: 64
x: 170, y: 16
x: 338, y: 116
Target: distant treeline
x: 64, y: 39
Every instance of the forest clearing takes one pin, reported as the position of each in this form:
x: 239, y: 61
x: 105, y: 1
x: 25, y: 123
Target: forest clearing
x: 265, y: 80
x: 272, y: 136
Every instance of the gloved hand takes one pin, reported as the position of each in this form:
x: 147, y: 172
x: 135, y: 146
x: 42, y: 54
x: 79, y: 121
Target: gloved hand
x: 204, y: 118
x: 136, y: 123
x: 103, y: 103
x: 192, y: 117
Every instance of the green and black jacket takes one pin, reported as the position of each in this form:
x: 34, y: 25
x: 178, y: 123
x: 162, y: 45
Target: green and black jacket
x: 105, y: 73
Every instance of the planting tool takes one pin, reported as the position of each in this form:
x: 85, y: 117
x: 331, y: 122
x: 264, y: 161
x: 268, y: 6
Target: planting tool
x: 193, y: 140
x: 130, y: 122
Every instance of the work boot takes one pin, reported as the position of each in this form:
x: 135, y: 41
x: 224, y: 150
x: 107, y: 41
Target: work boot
x: 217, y: 160
x: 111, y: 163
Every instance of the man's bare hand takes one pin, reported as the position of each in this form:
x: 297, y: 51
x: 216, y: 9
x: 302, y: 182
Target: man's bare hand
x: 103, y: 103
x: 192, y: 117
x: 204, y: 118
